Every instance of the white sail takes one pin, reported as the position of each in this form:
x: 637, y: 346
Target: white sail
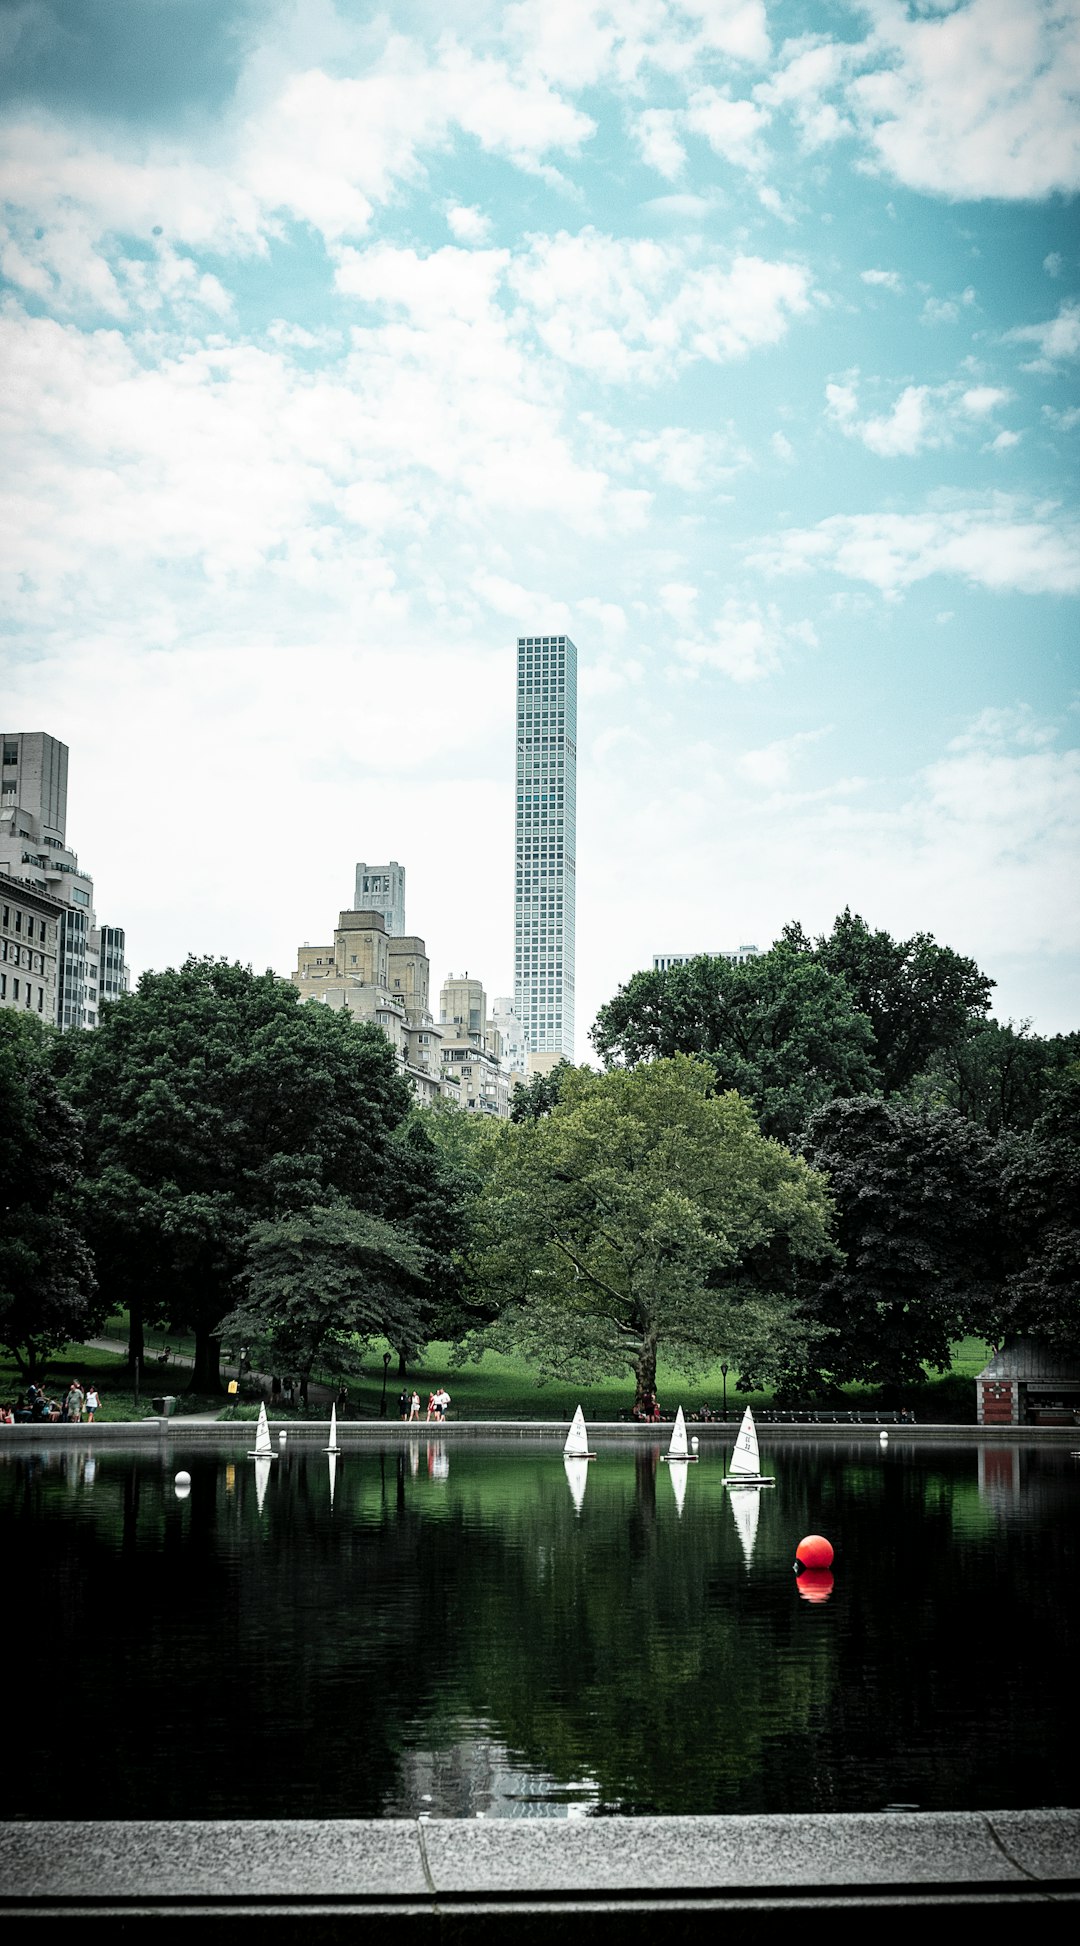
x: 744, y: 1468
x: 677, y: 1473
x: 262, y: 1475
x: 746, y: 1511
x: 679, y: 1448
x: 577, y: 1439
x: 746, y: 1457
x: 333, y: 1446
x: 577, y: 1479
x: 332, y: 1463
x: 263, y: 1448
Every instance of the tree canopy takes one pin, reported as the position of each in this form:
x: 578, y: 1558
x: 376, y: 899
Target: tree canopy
x: 213, y: 1101
x: 916, y: 1193
x: 646, y: 1212
x: 780, y: 1030
x: 919, y: 997
x: 47, y: 1283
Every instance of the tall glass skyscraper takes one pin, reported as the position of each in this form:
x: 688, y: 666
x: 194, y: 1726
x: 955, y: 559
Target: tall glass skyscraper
x: 545, y: 842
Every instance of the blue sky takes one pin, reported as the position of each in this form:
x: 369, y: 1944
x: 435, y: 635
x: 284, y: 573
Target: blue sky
x: 740, y: 341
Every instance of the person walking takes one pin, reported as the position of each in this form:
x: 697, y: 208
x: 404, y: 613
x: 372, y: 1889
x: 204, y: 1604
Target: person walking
x: 414, y: 1406
x: 92, y: 1403
x: 403, y: 1403
x: 76, y: 1399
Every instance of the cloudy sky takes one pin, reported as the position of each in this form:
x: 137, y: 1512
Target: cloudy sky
x: 739, y: 340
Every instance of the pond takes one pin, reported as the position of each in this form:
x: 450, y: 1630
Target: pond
x: 454, y: 1635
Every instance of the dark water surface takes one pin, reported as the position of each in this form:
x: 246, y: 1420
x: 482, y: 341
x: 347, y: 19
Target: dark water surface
x: 453, y: 1636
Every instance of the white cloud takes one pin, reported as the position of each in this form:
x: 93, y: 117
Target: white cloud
x: 631, y: 309
x: 745, y: 641
x: 889, y: 280
x: 1053, y: 263
x: 782, y: 447
x: 920, y: 418
x: 989, y: 547
x: 468, y: 225
x: 978, y: 400
x: 1057, y: 339
x: 977, y: 102
x: 774, y: 764
x: 1003, y: 442
x: 905, y: 431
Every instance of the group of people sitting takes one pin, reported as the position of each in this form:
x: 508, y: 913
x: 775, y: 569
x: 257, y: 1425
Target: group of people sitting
x: 34, y: 1408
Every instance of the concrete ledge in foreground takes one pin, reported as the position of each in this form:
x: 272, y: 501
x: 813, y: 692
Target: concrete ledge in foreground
x: 609, y: 1878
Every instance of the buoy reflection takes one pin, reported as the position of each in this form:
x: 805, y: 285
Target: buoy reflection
x: 815, y: 1584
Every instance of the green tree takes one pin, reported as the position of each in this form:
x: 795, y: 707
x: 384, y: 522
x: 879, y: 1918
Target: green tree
x: 646, y: 1210
x: 537, y: 1097
x: 47, y: 1284
x: 919, y: 997
x: 1040, y: 1185
x: 213, y: 1099
x: 780, y: 1030
x: 998, y: 1074
x: 916, y: 1192
x: 320, y: 1283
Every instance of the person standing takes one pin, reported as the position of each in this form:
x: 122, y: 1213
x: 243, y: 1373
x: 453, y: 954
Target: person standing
x: 403, y: 1403
x: 92, y: 1403
x: 414, y: 1407
x: 75, y: 1401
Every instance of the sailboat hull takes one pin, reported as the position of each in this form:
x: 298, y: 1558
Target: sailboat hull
x: 734, y: 1482
x: 679, y: 1459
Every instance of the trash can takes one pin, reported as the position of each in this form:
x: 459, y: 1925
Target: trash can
x: 169, y: 1404
x: 158, y: 1406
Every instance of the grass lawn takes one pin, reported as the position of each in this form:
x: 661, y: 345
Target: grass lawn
x: 498, y: 1387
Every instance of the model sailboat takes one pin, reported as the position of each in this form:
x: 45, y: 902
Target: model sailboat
x: 679, y: 1450
x: 577, y: 1439
x: 263, y: 1449
x: 744, y: 1469
x: 333, y: 1446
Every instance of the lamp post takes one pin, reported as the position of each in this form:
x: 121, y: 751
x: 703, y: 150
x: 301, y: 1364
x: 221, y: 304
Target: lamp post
x: 723, y: 1375
x: 385, y: 1370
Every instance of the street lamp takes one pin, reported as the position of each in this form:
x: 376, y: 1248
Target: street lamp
x: 385, y: 1370
x: 723, y: 1374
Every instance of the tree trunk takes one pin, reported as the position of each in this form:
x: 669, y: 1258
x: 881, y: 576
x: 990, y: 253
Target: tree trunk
x: 136, y: 1341
x: 645, y: 1374
x: 206, y: 1376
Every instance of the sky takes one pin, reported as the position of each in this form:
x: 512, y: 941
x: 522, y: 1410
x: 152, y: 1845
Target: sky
x: 740, y: 341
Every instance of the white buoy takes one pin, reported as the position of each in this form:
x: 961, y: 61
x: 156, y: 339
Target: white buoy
x: 182, y: 1480
x: 883, y: 1437
x: 694, y: 1443
x: 281, y: 1438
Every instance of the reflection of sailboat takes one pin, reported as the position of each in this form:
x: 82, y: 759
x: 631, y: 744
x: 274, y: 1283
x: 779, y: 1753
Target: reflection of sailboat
x: 744, y: 1469
x: 263, y: 1448
x: 577, y: 1439
x: 679, y: 1448
x: 746, y: 1508
x: 677, y: 1471
x: 333, y: 1446
x: 262, y: 1475
x: 332, y: 1457
x: 577, y: 1478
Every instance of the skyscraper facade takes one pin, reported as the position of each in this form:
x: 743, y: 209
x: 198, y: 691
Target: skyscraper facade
x: 545, y: 843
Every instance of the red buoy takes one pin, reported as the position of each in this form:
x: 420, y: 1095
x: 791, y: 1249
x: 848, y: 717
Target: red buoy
x: 813, y: 1551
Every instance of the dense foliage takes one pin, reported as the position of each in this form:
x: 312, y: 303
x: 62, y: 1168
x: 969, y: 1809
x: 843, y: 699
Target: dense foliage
x: 646, y: 1210
x: 216, y: 1104
x: 47, y: 1284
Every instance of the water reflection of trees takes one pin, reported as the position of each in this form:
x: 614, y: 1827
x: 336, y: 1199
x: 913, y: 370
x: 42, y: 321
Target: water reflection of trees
x: 294, y: 1663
